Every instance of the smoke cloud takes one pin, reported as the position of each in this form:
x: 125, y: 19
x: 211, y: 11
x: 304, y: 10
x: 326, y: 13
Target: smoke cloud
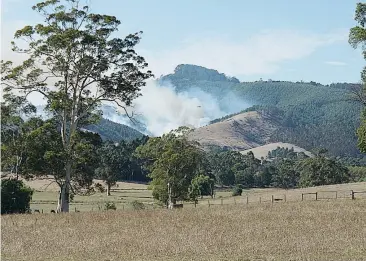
x: 161, y: 109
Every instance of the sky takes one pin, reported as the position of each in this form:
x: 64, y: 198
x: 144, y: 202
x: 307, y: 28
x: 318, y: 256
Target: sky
x: 249, y: 39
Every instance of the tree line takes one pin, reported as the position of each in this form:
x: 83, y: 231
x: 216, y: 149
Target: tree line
x: 176, y: 168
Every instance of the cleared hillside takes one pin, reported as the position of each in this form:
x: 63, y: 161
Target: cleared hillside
x: 262, y: 151
x: 240, y: 132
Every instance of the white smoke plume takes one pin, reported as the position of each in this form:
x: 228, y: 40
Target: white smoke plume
x: 161, y: 109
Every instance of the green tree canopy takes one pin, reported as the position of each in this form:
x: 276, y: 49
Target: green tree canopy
x: 76, y: 64
x: 172, y: 159
x: 320, y: 171
x: 357, y: 37
x: 15, y: 196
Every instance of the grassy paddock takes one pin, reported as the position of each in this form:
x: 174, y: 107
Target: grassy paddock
x: 45, y: 196
x: 309, y: 230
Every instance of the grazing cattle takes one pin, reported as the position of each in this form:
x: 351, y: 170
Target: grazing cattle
x: 52, y: 211
x: 278, y: 199
x: 36, y: 211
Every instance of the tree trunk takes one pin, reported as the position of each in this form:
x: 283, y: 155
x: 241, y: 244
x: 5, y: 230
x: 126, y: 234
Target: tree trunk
x: 108, y: 189
x: 63, y: 205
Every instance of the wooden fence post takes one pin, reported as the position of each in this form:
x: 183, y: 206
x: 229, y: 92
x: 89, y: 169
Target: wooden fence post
x: 284, y: 197
x: 272, y: 199
x: 316, y: 195
x: 352, y: 194
x: 336, y: 194
x: 247, y: 199
x: 234, y: 201
x: 208, y: 203
x: 42, y: 210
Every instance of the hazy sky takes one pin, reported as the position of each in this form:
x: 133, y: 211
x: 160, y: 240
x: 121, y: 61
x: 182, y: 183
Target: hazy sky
x: 282, y: 40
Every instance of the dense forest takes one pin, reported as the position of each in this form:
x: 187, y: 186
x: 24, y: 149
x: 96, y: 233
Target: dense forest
x: 112, y: 131
x: 313, y: 115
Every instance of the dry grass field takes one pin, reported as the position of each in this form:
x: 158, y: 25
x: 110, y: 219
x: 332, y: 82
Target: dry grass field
x: 45, y: 196
x: 308, y: 230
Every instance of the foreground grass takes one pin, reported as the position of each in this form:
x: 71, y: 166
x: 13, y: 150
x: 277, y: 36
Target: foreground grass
x: 321, y: 230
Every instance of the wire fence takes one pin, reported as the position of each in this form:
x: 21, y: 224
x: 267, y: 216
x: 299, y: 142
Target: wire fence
x: 254, y: 198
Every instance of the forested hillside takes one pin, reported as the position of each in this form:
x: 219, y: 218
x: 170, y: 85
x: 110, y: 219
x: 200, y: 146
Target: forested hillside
x: 313, y: 115
x: 113, y: 131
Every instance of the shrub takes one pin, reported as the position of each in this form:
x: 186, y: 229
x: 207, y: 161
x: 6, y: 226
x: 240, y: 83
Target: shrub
x: 15, y: 197
x: 99, y: 187
x: 137, y: 205
x: 237, y: 191
x: 110, y: 205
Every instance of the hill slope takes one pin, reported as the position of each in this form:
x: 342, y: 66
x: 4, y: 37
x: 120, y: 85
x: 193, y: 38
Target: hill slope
x: 262, y: 151
x: 314, y: 115
x: 109, y: 130
x: 240, y: 132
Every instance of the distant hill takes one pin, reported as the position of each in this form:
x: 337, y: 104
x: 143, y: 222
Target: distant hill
x: 109, y: 130
x: 313, y: 115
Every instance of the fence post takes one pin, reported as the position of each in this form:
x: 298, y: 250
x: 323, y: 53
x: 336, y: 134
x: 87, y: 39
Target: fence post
x: 272, y: 199
x: 247, y: 199
x: 284, y: 197
x: 208, y: 203
x: 234, y: 201
x: 336, y: 194
x: 42, y: 210
x: 302, y: 196
x: 195, y: 203
x: 352, y: 194
x: 75, y: 209
x: 316, y: 195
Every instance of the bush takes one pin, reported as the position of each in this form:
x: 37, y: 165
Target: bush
x: 137, y: 205
x: 110, y: 205
x: 15, y: 196
x: 237, y: 191
x: 99, y: 187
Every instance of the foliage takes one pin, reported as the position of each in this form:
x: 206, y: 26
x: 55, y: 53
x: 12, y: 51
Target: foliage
x: 47, y: 156
x: 172, y: 159
x: 201, y: 185
x: 320, y: 171
x: 357, y: 37
x: 286, y: 176
x: 285, y: 153
x: 115, y: 132
x: 237, y: 191
x: 76, y: 64
x: 110, y: 205
x: 99, y: 187
x: 15, y: 196
x: 14, y: 132
x: 137, y: 205
x: 357, y: 174
x: 112, y: 162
